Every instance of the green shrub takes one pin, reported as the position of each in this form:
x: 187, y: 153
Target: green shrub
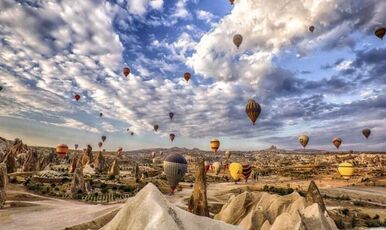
x: 373, y: 223
x: 354, y: 222
x: 104, y: 190
x: 340, y: 224
x: 345, y: 211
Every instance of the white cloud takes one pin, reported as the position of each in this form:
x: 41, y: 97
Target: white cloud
x: 204, y: 16
x: 140, y: 7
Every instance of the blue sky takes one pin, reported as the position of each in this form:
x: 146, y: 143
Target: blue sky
x: 327, y: 83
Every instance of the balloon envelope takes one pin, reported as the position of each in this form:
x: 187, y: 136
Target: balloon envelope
x: 380, y: 32
x: 366, y: 133
x: 247, y: 169
x: 214, y: 145
x: 346, y: 170
x: 103, y: 138
x: 61, y: 150
x: 311, y: 28
x: 126, y: 71
x: 172, y: 136
x: 100, y: 144
x: 175, y: 167
x: 337, y: 142
x: 77, y: 97
x: 156, y: 127
x: 235, y: 170
x: 253, y: 110
x: 171, y: 115
x: 187, y: 76
x: 237, y: 40
x: 303, y: 140
x: 76, y: 146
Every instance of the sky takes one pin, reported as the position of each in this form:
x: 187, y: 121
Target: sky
x: 327, y: 83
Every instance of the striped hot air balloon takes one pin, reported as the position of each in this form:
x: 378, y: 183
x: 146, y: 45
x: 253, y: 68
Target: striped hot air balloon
x: 235, y: 170
x: 175, y: 167
x: 61, y: 150
x: 214, y: 145
x: 253, y: 110
x: 247, y: 169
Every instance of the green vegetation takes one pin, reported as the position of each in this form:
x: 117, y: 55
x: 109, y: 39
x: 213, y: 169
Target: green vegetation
x: 280, y: 191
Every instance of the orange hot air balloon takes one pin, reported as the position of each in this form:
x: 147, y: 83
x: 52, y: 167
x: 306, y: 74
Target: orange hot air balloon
x: 61, y: 150
x: 366, y: 133
x: 380, y: 32
x: 187, y: 76
x: 253, y: 110
x: 77, y: 97
x: 214, y: 145
x: 126, y: 71
x: 172, y: 136
x: 337, y: 142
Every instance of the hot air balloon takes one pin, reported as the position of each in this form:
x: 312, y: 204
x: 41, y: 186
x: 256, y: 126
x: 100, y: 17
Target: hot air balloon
x: 76, y: 146
x: 153, y: 154
x: 126, y: 71
x: 227, y: 154
x: 103, y: 138
x: 247, y: 169
x: 217, y: 167
x: 303, y: 140
x: 156, y: 127
x: 337, y: 142
x: 77, y: 97
x: 214, y: 145
x: 380, y: 32
x: 171, y: 115
x: 207, y: 166
x: 100, y: 144
x: 235, y: 170
x: 172, y: 136
x: 175, y: 167
x: 132, y: 133
x: 127, y: 129
x: 253, y: 110
x: 311, y: 28
x: 61, y: 150
x: 346, y: 170
x: 232, y: 1
x: 237, y: 40
x: 366, y: 133
x: 187, y: 76
x: 100, y: 114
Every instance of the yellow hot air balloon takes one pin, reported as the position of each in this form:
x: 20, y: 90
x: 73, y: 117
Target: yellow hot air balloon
x: 214, y: 145
x: 253, y: 110
x: 303, y: 140
x: 236, y: 170
x: 346, y: 170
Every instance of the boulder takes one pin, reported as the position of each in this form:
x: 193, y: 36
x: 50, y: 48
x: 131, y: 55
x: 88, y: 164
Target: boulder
x: 198, y: 203
x: 3, y: 183
x: 149, y: 210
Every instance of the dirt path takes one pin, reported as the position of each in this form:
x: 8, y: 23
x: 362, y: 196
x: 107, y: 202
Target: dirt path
x: 50, y: 213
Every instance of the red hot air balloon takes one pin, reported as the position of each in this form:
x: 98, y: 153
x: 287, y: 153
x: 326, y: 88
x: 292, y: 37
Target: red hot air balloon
x: 187, y: 76
x: 126, y: 71
x: 61, y: 150
x: 77, y: 97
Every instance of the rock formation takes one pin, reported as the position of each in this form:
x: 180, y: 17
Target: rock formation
x: 10, y: 157
x: 3, y: 183
x: 87, y: 157
x: 198, y: 203
x: 313, y: 196
x: 114, y: 169
x: 77, y: 184
x: 100, y: 163
x: 31, y: 161
x: 261, y: 210
x: 10, y: 162
x: 137, y: 173
x: 73, y: 164
x: 149, y: 209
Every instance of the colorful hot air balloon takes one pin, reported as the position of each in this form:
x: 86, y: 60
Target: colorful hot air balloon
x: 100, y: 114
x: 346, y: 170
x: 253, y: 110
x: 366, y: 133
x: 303, y: 140
x: 61, y: 150
x: 126, y: 71
x: 175, y: 167
x: 100, y: 144
x: 171, y: 115
x: 227, y: 154
x: 247, y: 169
x: 77, y: 97
x: 172, y: 136
x: 187, y: 76
x: 207, y: 166
x: 217, y: 167
x: 337, y: 142
x: 103, y: 138
x: 156, y: 127
x: 311, y: 28
x: 76, y: 146
x: 237, y: 40
x: 214, y: 145
x: 380, y: 32
x: 235, y: 170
